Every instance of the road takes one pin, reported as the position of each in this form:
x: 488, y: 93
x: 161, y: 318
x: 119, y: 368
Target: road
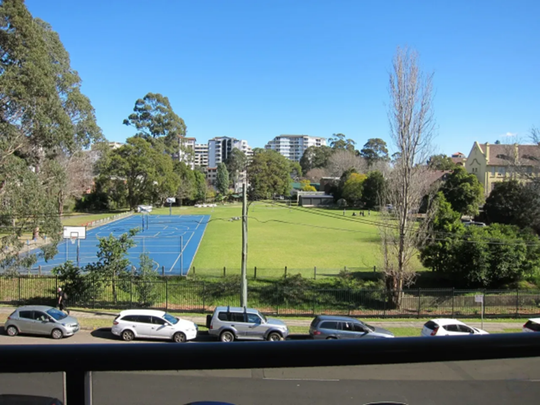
x: 474, y: 382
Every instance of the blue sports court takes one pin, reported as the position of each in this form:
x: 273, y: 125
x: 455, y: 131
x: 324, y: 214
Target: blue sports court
x: 171, y: 241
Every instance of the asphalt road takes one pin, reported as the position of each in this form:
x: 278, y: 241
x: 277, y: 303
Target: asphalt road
x: 475, y: 382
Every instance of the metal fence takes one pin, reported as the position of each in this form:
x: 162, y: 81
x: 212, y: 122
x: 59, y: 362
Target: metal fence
x: 201, y: 296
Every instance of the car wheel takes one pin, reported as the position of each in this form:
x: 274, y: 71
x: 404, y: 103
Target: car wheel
x: 179, y: 337
x: 57, y: 334
x: 331, y: 338
x: 274, y: 337
x: 227, y: 336
x: 128, y: 335
x: 12, y: 331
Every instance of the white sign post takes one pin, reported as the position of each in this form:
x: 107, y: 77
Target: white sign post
x: 171, y: 201
x: 480, y: 298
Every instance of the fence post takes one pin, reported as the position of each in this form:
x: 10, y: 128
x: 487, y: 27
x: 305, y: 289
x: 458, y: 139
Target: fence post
x: 384, y: 306
x: 453, y: 301
x: 285, y: 271
x: 374, y: 269
x: 20, y: 290
x: 483, y: 307
x: 39, y: 270
x: 350, y: 302
x: 517, y: 302
x: 255, y: 273
x: 193, y: 270
x: 93, y: 292
x: 162, y: 270
x: 277, y: 295
x: 315, y: 273
x: 224, y: 271
x: 131, y: 292
x: 419, y: 301
x: 204, y: 296
x: 166, y: 294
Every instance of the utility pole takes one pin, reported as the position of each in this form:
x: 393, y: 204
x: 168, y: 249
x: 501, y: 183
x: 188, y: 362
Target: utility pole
x: 243, y: 297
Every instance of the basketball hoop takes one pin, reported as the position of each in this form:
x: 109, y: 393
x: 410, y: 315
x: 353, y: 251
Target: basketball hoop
x: 73, y: 236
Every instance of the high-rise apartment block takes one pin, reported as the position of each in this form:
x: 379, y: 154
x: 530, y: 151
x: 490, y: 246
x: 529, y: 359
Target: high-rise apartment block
x: 294, y: 146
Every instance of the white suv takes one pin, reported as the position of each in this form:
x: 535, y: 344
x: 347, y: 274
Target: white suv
x: 449, y: 327
x: 151, y: 324
x: 532, y: 325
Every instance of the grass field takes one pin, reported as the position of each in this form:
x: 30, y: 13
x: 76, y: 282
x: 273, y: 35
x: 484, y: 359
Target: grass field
x: 279, y: 236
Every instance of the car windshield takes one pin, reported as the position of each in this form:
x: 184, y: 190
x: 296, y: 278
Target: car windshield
x: 170, y: 318
x: 56, y: 314
x: 372, y: 328
x: 263, y: 317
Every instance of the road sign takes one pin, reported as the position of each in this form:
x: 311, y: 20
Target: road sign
x: 478, y: 298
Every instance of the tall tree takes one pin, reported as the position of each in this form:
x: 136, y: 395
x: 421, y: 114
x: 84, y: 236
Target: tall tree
x: 42, y: 112
x: 353, y: 188
x: 222, y: 180
x: 187, y: 187
x: 340, y: 142
x: 343, y: 160
x: 411, y: 124
x: 148, y: 173
x: 236, y: 164
x: 155, y: 119
x: 374, y: 190
x: 268, y: 175
x: 295, y: 170
x: 441, y: 162
x: 315, y: 157
x: 463, y: 191
x: 374, y: 151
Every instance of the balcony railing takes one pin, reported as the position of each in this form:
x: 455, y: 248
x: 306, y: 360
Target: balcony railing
x: 78, y: 361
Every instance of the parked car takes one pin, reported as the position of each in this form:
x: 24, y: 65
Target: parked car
x: 41, y: 320
x: 152, y: 324
x: 344, y: 327
x: 449, y: 327
x: 532, y: 325
x: 230, y: 323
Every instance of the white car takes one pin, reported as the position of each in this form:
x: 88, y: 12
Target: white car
x: 152, y: 324
x: 532, y: 325
x: 449, y: 327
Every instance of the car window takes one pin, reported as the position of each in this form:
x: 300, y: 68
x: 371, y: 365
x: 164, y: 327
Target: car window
x: 452, y: 328
x: 144, y: 319
x: 253, y: 318
x: 129, y: 318
x: 56, y: 314
x: 157, y: 320
x: 222, y: 316
x: 237, y: 317
x: 40, y: 316
x: 358, y: 328
x: 170, y: 318
x: 346, y: 326
x: 533, y: 326
x: 329, y: 325
x: 26, y: 314
x: 431, y: 325
x: 466, y: 329
x: 262, y: 316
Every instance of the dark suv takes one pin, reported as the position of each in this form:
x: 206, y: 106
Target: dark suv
x: 344, y: 327
x: 230, y: 323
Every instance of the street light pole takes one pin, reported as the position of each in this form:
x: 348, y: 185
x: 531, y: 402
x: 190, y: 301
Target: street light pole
x: 243, y: 297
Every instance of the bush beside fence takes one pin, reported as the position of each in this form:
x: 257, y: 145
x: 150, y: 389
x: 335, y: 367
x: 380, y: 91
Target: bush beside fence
x: 202, y: 296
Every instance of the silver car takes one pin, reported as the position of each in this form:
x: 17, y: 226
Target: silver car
x: 344, y: 327
x: 41, y: 320
x: 230, y: 323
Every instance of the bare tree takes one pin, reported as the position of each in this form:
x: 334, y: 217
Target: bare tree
x: 412, y: 126
x: 315, y: 175
x: 342, y: 160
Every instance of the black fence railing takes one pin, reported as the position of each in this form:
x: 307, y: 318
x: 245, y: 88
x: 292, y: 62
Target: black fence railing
x: 272, y: 298
x: 220, y: 356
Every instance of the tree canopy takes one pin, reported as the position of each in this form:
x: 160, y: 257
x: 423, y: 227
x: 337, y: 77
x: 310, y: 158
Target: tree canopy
x: 222, y: 180
x: 353, y: 188
x: 315, y: 157
x: 463, y: 191
x: 340, y: 142
x: 373, y: 190
x: 374, y: 151
x: 268, y: 175
x: 441, y: 162
x: 43, y: 114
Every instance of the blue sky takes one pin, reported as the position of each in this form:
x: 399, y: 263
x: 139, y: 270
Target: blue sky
x: 256, y: 69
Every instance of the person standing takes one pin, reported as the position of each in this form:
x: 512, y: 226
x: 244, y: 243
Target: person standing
x: 62, y: 300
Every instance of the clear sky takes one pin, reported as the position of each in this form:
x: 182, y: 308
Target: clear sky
x: 256, y: 69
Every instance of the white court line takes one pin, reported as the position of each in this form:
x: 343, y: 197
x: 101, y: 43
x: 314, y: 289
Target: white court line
x: 181, y: 253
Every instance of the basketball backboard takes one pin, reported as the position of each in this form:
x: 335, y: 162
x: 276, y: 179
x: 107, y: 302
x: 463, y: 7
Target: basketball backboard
x: 76, y: 232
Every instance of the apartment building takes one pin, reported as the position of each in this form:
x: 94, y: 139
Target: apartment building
x: 294, y: 146
x: 201, y: 155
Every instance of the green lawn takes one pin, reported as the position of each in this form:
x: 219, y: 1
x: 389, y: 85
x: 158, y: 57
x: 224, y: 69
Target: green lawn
x: 279, y: 237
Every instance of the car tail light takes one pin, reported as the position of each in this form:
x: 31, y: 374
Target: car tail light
x: 434, y: 331
x: 210, y: 327
x: 316, y: 332
x: 9, y: 317
x: 115, y: 323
